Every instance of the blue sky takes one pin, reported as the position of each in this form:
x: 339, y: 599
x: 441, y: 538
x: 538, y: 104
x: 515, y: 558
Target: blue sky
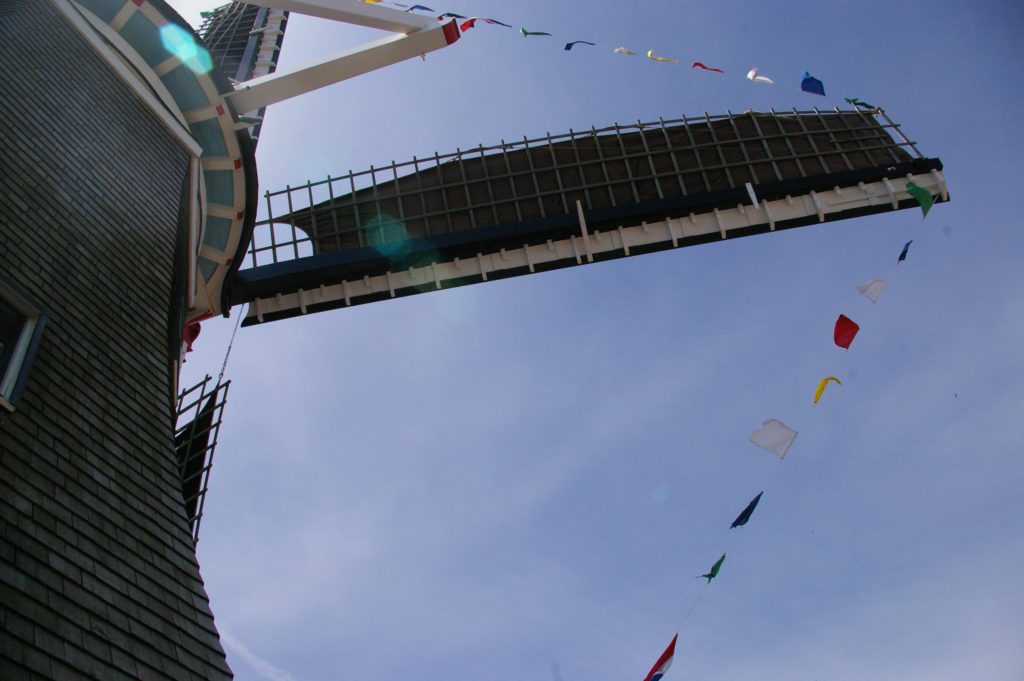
x: 521, y: 480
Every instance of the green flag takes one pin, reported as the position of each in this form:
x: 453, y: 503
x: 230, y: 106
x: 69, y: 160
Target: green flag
x: 923, y: 196
x: 855, y: 101
x: 714, y: 569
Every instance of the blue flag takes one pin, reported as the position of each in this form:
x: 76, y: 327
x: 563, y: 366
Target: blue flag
x: 812, y: 85
x: 744, y: 515
x: 903, y: 253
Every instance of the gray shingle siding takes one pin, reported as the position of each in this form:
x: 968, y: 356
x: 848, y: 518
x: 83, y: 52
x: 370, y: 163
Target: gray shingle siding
x: 98, y: 574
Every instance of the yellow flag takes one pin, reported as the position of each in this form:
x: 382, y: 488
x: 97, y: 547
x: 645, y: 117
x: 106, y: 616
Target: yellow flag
x: 821, y: 387
x: 650, y: 55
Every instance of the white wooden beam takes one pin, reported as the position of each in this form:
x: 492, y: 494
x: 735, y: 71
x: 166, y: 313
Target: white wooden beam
x: 281, y: 85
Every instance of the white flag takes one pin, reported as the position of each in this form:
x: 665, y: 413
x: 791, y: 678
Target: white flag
x: 754, y: 76
x: 872, y: 290
x: 774, y: 436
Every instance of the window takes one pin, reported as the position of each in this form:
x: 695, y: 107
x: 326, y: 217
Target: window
x: 21, y: 327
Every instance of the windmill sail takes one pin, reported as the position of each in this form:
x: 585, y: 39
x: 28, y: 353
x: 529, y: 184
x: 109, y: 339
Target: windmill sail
x: 529, y: 206
x: 245, y: 42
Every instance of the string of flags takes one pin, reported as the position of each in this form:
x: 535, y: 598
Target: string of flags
x: 808, y: 83
x: 774, y: 435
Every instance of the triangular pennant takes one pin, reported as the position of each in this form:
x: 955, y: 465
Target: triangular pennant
x: 923, y: 196
x: 903, y: 253
x: 744, y: 515
x: 663, y: 663
x: 713, y: 572
x: 873, y: 289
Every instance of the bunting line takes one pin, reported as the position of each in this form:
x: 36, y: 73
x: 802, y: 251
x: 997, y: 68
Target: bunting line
x: 774, y: 435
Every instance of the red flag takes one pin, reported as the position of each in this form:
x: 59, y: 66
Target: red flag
x: 190, y: 334
x: 698, y: 65
x: 663, y: 663
x: 846, y: 331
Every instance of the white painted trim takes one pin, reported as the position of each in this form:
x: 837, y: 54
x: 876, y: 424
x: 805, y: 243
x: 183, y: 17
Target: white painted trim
x: 648, y: 233
x: 127, y: 65
x: 583, y: 231
x: 10, y: 377
x: 16, y: 365
x: 195, y: 224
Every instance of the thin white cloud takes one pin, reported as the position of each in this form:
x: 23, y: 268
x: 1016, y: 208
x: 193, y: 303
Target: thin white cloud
x: 263, y: 668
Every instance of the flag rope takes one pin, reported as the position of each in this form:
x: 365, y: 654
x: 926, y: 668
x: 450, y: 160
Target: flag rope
x: 808, y: 83
x: 227, y: 353
x: 808, y: 410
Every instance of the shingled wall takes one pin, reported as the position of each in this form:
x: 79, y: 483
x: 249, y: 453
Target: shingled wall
x: 98, y: 573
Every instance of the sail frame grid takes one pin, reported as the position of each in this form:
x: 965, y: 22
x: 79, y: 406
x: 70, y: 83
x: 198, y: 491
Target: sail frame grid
x: 555, y: 201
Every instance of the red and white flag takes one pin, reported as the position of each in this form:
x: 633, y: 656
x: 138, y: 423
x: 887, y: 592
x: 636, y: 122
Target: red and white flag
x: 663, y: 663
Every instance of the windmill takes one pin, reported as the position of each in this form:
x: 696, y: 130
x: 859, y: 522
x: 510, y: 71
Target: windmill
x: 167, y: 177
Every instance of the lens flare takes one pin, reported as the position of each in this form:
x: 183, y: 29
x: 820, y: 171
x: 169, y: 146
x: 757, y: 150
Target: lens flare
x: 387, y: 236
x: 390, y: 237
x: 181, y: 44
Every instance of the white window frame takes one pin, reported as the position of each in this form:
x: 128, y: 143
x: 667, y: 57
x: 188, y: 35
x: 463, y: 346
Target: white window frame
x: 13, y: 378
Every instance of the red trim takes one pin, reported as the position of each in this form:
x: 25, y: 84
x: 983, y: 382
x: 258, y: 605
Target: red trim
x: 239, y: 215
x: 238, y: 163
x: 138, y: 3
x: 220, y: 109
x: 451, y: 32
